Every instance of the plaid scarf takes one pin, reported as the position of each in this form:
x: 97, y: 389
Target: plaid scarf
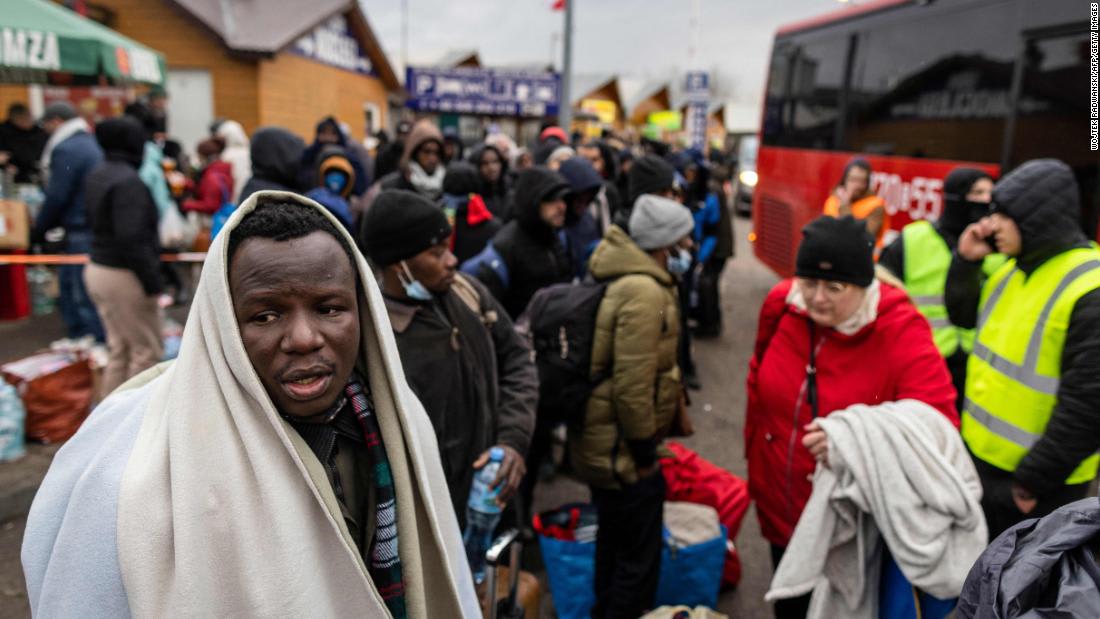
x: 385, y: 563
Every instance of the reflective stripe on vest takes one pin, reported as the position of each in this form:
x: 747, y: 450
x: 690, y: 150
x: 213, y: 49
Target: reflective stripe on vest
x: 1014, y: 373
x: 927, y: 259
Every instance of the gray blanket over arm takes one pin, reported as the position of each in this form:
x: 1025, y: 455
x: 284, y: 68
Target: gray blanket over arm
x: 898, y: 473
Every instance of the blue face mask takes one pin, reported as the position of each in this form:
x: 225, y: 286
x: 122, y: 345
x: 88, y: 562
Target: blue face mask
x: 336, y: 181
x: 679, y: 263
x: 413, y: 288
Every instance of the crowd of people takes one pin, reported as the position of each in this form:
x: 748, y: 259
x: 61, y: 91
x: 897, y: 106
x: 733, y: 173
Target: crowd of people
x: 364, y: 334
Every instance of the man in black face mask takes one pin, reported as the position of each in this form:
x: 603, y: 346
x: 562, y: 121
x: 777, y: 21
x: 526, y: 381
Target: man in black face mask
x: 921, y: 255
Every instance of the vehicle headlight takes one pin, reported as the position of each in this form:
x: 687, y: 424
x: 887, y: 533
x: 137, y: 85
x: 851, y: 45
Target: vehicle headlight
x: 748, y: 177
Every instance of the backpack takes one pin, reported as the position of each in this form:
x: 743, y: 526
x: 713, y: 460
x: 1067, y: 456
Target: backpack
x: 561, y: 322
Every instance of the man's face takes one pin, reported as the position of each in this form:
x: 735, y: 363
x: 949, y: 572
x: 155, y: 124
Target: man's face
x: 428, y: 156
x: 490, y: 165
x: 159, y: 104
x: 328, y: 135
x: 981, y: 191
x: 434, y: 267
x: 553, y: 213
x: 51, y: 124
x: 857, y: 182
x: 298, y: 313
x: 1007, y: 234
x: 23, y: 121
x: 592, y: 154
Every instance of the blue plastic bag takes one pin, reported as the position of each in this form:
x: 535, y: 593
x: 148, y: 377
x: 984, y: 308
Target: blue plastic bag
x: 12, y: 418
x: 571, y: 570
x: 692, y: 575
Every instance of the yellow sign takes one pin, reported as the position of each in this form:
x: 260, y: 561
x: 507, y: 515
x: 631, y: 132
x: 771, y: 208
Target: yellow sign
x: 605, y: 110
x: 669, y: 120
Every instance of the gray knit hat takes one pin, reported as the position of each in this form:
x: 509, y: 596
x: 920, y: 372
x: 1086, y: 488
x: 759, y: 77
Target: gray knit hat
x: 62, y: 110
x: 658, y: 222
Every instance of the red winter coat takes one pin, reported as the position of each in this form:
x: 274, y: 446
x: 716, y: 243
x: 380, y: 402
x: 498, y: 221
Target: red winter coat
x: 215, y: 189
x: 893, y: 358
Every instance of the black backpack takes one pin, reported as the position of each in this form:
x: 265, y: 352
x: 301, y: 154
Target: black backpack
x: 561, y: 321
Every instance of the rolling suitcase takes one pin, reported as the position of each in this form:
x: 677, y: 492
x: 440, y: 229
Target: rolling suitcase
x: 517, y: 593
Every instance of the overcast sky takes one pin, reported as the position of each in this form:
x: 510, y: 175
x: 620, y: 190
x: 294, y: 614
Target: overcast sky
x: 640, y: 40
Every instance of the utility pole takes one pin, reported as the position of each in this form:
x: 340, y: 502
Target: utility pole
x: 405, y: 37
x: 565, y: 107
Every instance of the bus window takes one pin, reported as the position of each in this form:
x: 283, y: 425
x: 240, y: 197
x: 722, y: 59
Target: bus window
x: 804, y: 84
x: 1052, y: 116
x: 936, y: 84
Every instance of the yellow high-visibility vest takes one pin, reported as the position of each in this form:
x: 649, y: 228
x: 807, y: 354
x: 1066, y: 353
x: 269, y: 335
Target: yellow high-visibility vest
x: 927, y: 259
x: 1015, y: 368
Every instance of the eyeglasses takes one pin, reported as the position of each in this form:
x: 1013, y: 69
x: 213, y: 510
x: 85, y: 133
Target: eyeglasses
x: 833, y: 289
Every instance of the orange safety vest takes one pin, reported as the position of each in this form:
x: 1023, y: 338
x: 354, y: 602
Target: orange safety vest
x: 860, y: 210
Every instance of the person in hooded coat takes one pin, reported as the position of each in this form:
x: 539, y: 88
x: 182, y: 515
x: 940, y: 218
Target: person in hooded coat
x: 421, y: 167
x: 586, y: 218
x: 280, y: 466
x: 606, y: 162
x: 335, y: 180
x: 453, y: 149
x: 276, y: 154
x: 923, y: 266
x: 123, y: 276
x: 528, y: 253
x: 329, y: 133
x: 237, y: 154
x: 1032, y: 404
x: 474, y: 224
x: 492, y: 168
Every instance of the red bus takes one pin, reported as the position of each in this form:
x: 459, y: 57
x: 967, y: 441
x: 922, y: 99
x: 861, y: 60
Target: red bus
x: 919, y: 87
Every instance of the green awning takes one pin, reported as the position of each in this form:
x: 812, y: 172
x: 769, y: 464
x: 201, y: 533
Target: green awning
x: 39, y: 37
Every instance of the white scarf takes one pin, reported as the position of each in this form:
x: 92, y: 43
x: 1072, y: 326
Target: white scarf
x: 224, y: 511
x: 864, y: 315
x: 431, y: 185
x: 65, y: 131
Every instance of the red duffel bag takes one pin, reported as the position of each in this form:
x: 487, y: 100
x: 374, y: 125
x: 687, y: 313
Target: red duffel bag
x: 692, y: 479
x: 56, y: 389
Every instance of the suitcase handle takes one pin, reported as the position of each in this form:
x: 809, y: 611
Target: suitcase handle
x: 507, y: 541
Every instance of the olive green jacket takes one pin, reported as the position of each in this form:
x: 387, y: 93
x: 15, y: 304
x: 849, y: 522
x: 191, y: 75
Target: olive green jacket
x: 637, y: 328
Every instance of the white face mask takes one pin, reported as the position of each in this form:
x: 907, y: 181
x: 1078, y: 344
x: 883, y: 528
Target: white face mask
x: 413, y: 288
x: 679, y: 261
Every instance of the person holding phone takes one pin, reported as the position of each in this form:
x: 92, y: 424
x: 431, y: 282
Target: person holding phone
x: 1032, y: 405
x: 921, y: 256
x: 853, y: 196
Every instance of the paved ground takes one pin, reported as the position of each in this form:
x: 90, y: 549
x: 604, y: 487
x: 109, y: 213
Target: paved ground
x: 717, y: 412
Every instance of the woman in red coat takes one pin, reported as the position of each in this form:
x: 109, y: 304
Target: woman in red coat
x: 216, y: 181
x: 831, y: 337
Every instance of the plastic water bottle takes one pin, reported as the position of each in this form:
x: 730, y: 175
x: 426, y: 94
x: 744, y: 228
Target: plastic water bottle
x: 482, y: 514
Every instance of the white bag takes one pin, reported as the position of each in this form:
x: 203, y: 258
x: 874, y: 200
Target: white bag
x: 175, y: 231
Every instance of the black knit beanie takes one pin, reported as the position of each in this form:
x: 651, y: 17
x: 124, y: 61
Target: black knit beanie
x: 837, y: 250
x: 399, y: 225
x: 650, y: 174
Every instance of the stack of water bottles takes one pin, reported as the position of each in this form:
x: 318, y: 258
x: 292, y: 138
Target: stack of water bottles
x: 482, y: 514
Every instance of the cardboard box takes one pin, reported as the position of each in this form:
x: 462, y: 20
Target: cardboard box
x: 15, y: 225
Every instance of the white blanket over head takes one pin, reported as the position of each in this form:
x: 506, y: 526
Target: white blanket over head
x: 186, y: 494
x: 898, y: 473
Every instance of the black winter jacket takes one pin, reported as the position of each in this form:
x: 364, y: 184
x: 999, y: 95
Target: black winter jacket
x: 121, y: 210
x: 477, y: 382
x: 533, y: 253
x: 1039, y: 568
x: 276, y: 155
x: 1042, y: 198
